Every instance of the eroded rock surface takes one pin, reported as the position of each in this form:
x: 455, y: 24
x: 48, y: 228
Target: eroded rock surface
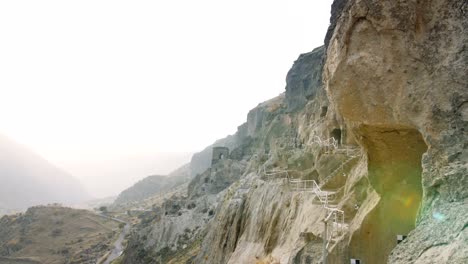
x: 400, y: 67
x: 377, y: 118
x: 304, y: 79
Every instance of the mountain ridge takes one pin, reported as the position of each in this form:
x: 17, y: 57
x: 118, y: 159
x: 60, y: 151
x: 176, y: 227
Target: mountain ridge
x: 28, y: 179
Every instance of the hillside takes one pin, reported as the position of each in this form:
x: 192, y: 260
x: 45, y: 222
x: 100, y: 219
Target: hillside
x: 123, y: 171
x: 153, y: 185
x: 27, y: 179
x: 363, y: 159
x: 55, y: 234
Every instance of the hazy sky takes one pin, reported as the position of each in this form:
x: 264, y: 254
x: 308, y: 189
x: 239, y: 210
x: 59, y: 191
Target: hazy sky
x: 85, y: 81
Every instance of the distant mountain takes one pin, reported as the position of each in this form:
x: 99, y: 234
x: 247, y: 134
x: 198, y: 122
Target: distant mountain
x: 153, y: 185
x: 123, y: 171
x: 26, y: 179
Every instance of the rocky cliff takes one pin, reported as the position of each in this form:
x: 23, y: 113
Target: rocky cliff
x: 363, y: 157
x: 396, y: 75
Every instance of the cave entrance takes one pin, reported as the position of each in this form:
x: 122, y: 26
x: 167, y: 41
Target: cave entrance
x: 336, y: 134
x: 394, y: 171
x: 324, y: 111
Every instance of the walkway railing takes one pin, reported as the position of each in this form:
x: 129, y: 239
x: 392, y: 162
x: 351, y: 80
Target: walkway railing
x: 275, y: 174
x: 338, y: 226
x: 325, y: 197
x: 327, y: 178
x: 329, y: 144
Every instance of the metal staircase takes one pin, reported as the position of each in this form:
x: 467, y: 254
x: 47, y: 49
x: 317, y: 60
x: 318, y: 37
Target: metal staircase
x: 333, y: 214
x: 350, y: 158
x: 334, y: 217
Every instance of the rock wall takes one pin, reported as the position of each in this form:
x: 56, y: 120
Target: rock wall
x: 396, y: 75
x: 378, y: 117
x: 263, y: 220
x: 304, y: 79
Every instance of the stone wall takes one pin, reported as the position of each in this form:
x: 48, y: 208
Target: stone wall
x: 218, y: 154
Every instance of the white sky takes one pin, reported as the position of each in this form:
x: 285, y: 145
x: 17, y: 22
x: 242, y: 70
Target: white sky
x: 99, y: 80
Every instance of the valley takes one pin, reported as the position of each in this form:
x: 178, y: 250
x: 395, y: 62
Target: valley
x: 361, y: 159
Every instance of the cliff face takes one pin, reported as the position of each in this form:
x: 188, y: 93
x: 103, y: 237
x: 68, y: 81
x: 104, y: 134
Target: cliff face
x: 304, y: 79
x: 364, y: 156
x: 396, y: 76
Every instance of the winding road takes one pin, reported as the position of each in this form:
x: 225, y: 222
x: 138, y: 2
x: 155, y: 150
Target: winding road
x: 118, y: 248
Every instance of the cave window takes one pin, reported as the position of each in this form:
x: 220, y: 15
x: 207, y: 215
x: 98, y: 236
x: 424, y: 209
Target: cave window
x: 336, y: 134
x: 324, y: 111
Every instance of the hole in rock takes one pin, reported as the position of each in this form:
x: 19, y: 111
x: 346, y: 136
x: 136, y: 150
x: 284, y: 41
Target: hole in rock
x: 336, y: 134
x: 324, y: 111
x: 394, y: 171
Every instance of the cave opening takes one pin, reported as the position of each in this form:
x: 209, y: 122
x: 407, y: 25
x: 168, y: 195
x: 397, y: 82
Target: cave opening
x: 394, y: 172
x: 336, y: 134
x: 324, y: 111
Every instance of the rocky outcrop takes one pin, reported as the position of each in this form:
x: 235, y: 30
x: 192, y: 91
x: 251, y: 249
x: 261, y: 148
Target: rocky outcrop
x: 377, y: 118
x: 153, y: 185
x: 181, y: 221
x: 396, y: 76
x: 239, y: 143
x: 143, y: 189
x: 201, y: 161
x: 304, y: 79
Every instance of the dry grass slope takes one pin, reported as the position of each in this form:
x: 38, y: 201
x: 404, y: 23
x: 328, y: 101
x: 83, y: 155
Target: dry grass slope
x: 55, y: 235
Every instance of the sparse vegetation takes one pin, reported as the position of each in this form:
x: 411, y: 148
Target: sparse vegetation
x: 78, y: 236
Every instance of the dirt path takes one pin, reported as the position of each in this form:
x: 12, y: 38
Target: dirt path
x: 118, y: 248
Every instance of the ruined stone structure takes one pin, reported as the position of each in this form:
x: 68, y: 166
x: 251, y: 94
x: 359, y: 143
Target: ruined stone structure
x: 219, y: 153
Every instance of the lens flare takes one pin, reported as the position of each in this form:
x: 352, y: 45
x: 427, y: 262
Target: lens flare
x: 438, y: 216
x: 408, y: 201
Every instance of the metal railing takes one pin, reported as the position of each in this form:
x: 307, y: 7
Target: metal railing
x: 300, y: 185
x: 337, y: 227
x: 325, y: 197
x: 311, y: 186
x: 274, y: 174
x: 327, y: 178
x: 336, y: 216
x: 329, y: 144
